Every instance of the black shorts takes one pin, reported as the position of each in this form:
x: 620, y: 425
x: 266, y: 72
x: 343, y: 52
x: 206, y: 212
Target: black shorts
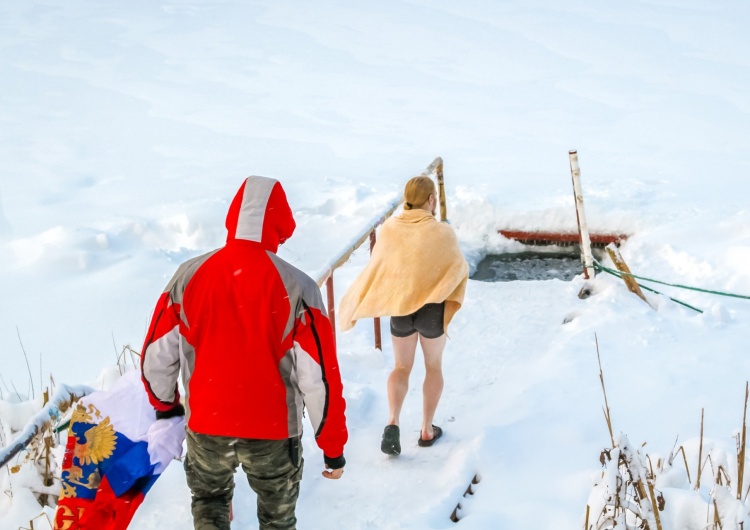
x: 427, y: 320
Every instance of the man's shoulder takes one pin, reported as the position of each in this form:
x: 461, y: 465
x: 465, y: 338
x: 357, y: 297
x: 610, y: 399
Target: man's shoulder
x: 188, y: 268
x: 290, y: 272
x: 198, y: 260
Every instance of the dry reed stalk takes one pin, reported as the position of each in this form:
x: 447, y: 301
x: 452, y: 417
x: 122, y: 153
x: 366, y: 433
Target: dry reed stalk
x: 700, y: 457
x: 586, y: 524
x: 654, y: 506
x: 117, y: 355
x: 47, y: 459
x: 31, y: 522
x: 741, y: 453
x: 717, y: 518
x: 28, y: 366
x: 122, y: 359
x: 726, y: 476
x: 642, y: 495
x: 684, y: 458
x: 607, y: 414
x: 640, y: 490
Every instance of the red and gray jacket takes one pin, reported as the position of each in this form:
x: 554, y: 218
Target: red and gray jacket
x: 249, y: 333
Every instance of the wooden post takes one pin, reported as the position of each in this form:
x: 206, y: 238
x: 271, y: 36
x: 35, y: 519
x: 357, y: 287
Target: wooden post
x: 633, y: 286
x: 583, y: 229
x: 331, y: 308
x: 441, y: 191
x: 376, y: 320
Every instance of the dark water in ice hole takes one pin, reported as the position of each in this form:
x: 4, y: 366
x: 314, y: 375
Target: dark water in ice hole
x: 530, y: 266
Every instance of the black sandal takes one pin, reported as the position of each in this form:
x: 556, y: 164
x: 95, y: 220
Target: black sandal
x: 437, y: 433
x: 391, y: 444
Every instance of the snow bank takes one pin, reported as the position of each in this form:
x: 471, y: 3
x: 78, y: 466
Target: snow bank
x: 126, y: 131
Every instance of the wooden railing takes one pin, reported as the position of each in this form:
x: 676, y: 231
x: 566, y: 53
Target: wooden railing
x: 325, y: 276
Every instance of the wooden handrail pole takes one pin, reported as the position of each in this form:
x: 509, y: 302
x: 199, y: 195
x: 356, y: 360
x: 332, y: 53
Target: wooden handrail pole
x: 376, y: 320
x: 441, y: 191
x: 378, y: 334
x: 586, y: 256
x: 331, y: 308
x: 437, y: 168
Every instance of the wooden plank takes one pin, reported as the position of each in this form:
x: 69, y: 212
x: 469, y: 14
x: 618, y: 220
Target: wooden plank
x: 561, y: 237
x: 633, y: 286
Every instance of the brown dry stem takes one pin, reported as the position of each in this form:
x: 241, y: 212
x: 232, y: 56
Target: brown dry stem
x: 607, y: 414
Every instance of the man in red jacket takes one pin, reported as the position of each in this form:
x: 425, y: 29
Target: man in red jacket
x: 250, y: 335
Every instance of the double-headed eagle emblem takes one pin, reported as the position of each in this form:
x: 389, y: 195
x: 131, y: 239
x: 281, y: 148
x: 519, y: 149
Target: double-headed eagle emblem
x: 100, y: 443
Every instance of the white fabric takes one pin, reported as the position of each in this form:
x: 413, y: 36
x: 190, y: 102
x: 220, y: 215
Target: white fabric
x: 165, y: 438
x: 130, y: 413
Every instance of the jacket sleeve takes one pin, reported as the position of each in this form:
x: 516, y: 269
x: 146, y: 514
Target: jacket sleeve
x: 160, y: 356
x: 319, y: 379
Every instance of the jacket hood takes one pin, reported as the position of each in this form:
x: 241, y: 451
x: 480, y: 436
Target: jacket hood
x: 260, y: 213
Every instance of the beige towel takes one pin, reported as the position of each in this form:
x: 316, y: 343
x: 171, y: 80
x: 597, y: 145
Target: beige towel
x: 416, y: 261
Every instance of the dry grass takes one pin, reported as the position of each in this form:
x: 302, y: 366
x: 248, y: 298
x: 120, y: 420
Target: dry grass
x: 628, y: 486
x: 40, y: 516
x: 127, y: 353
x: 38, y: 452
x: 634, y: 503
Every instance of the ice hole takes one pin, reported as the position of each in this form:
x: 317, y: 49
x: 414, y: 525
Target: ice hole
x: 534, y: 264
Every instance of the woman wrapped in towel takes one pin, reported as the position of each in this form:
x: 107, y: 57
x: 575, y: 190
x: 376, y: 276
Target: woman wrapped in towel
x: 417, y: 276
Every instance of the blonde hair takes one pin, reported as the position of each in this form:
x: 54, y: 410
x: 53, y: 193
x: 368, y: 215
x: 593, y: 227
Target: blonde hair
x: 418, y: 191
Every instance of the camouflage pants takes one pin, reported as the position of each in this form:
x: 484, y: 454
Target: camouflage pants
x: 210, y: 465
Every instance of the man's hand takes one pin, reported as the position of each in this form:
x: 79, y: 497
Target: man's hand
x: 333, y: 474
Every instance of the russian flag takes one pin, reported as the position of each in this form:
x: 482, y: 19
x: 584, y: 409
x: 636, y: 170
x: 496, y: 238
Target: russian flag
x: 115, y: 452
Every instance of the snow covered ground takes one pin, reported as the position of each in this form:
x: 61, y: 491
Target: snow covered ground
x: 127, y: 129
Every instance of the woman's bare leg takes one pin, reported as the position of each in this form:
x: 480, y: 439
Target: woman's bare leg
x: 404, y: 349
x: 433, y: 381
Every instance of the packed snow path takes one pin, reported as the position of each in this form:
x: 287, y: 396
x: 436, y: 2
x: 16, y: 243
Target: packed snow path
x: 486, y: 383
x: 521, y: 407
